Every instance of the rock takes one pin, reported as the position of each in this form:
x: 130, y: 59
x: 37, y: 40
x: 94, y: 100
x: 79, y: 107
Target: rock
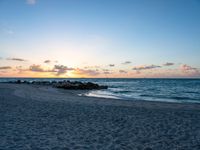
x: 79, y: 85
x: 18, y: 81
x: 75, y: 85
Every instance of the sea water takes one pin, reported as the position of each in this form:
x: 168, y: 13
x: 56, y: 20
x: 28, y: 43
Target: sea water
x: 166, y: 90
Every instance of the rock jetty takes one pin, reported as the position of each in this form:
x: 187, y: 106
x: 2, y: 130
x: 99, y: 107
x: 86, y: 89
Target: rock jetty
x: 70, y: 85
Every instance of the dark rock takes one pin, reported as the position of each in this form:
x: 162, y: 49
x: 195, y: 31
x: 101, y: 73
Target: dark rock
x: 78, y: 85
x: 18, y: 81
x: 75, y: 85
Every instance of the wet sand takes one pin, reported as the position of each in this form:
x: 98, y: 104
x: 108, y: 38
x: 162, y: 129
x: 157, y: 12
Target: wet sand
x: 41, y: 117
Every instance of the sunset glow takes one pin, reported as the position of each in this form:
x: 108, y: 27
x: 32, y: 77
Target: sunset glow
x: 100, y: 39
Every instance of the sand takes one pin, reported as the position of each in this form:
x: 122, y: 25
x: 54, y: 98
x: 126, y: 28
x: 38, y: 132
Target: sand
x: 40, y: 117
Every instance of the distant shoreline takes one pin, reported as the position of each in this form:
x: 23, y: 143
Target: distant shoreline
x: 93, y: 78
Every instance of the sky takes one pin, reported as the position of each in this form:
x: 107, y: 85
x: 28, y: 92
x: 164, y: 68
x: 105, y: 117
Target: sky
x: 100, y: 38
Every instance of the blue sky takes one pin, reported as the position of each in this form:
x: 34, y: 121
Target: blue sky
x: 86, y: 33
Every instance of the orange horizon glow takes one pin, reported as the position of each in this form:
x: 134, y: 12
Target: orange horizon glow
x: 50, y: 71
x: 95, y: 39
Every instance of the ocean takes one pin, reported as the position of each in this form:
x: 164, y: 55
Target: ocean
x: 164, y: 90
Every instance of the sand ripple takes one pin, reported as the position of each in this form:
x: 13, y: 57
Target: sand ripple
x: 31, y: 124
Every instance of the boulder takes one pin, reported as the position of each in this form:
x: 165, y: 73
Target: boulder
x: 79, y: 86
x: 71, y: 85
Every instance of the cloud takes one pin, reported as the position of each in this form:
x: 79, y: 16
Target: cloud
x: 20, y: 69
x: 57, y: 69
x: 111, y: 65
x: 106, y: 72
x: 126, y: 62
x: 31, y: 2
x: 16, y: 59
x: 87, y: 72
x: 168, y: 64
x: 139, y: 68
x: 185, y: 67
x: 189, y: 71
x: 92, y: 67
x: 61, y: 69
x: 47, y: 61
x: 5, y: 67
x: 50, y: 61
x: 122, y: 71
x: 36, y: 68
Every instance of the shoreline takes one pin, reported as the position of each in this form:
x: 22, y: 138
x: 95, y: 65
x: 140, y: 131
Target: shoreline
x: 168, y: 91
x: 42, y: 117
x: 142, y: 100
x: 80, y: 94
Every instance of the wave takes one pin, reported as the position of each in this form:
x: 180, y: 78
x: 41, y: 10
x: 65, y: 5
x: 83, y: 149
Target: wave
x: 174, y: 90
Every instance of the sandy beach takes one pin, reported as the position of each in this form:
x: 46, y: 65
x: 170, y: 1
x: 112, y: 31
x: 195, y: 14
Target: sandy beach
x: 41, y: 117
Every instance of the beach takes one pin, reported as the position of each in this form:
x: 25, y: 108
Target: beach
x: 41, y: 117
